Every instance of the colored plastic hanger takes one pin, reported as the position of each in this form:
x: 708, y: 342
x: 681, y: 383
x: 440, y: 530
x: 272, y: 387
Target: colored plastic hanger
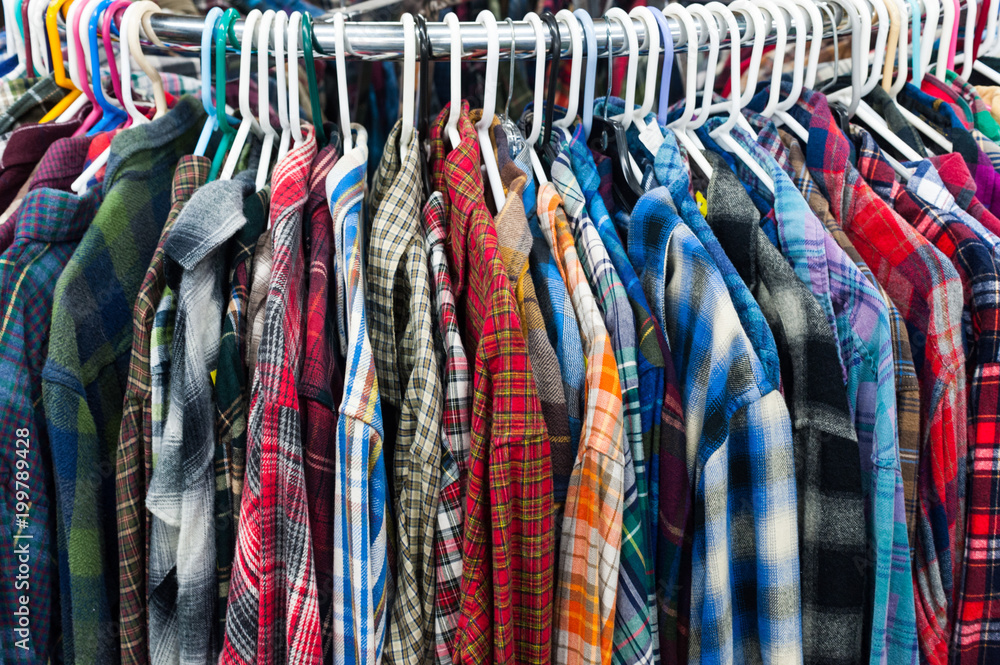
x: 309, y: 43
x: 223, y: 36
x: 590, y: 73
x: 487, y: 20
x: 455, y: 68
x: 111, y: 115
x: 58, y: 66
x: 76, y: 33
x: 264, y: 102
x: 211, y: 123
x: 921, y: 64
x: 247, y: 122
x: 946, y: 54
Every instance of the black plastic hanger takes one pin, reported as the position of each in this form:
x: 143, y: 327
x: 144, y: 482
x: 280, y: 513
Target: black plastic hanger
x: 608, y: 138
x: 548, y: 151
x: 424, y: 102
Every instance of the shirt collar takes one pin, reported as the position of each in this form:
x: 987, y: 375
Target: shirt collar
x: 62, y: 163
x: 29, y: 142
x: 957, y: 177
x: 51, y: 215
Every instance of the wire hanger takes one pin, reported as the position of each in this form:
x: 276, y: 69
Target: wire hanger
x: 264, y: 101
x: 681, y: 126
x: 248, y: 122
x: 590, y: 78
x: 723, y: 134
x: 455, y: 67
x: 538, y: 103
x: 487, y: 20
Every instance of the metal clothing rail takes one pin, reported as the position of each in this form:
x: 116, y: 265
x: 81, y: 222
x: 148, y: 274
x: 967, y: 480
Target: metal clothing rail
x: 384, y: 41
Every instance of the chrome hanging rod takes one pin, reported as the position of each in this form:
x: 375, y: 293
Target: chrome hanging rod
x: 384, y: 41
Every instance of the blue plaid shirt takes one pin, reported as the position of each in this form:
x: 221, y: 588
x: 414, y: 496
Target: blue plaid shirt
x: 745, y: 595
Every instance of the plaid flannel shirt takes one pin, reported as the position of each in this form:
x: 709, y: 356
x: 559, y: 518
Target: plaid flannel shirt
x: 89, y: 349
x: 263, y: 260
x: 635, y: 639
x: 956, y: 177
x: 745, y: 596
x: 34, y: 103
x: 859, y: 321
x: 826, y: 445
x: 360, y: 564
x: 26, y: 146
x: 399, y: 298
x: 456, y: 421
x: 982, y: 118
x: 12, y: 89
x: 320, y: 385
x: 926, y: 289
x: 134, y: 456
x: 507, y: 559
x: 273, y: 613
x: 590, y: 544
x: 907, y: 386
x: 231, y: 398
x: 973, y: 252
x: 183, y: 587
x: 48, y: 227
x: 888, y: 110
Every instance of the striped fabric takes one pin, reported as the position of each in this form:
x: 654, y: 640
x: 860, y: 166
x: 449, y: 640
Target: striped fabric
x: 134, y: 458
x: 273, y: 614
x: 48, y: 228
x: 745, y: 596
x: 590, y: 545
x: 360, y: 566
x: 636, y: 639
x: 399, y: 299
x: 456, y: 421
x: 926, y: 289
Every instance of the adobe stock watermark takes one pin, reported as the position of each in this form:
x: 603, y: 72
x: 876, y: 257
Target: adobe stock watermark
x: 22, y: 540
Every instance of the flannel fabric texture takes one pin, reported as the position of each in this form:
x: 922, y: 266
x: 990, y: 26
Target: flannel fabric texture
x: 273, y: 613
x: 134, y: 458
x: 87, y: 368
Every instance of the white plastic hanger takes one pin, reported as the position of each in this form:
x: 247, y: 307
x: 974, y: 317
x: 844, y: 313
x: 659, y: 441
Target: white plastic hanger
x: 341, y: 62
x: 455, y: 67
x: 280, y: 70
x: 681, y: 125
x: 756, y: 27
x: 780, y: 29
x: 875, y: 73
x: 799, y: 62
x: 211, y: 122
x: 36, y: 18
x: 947, y: 27
x: 576, y: 53
x: 711, y: 29
x: 539, y: 99
x: 247, y: 122
x: 263, y: 99
x: 932, y: 12
x: 652, y: 28
x: 816, y: 23
x: 294, y: 118
x: 408, y: 87
x: 723, y: 133
x: 487, y: 20
x: 965, y: 57
x: 860, y: 20
x: 632, y: 69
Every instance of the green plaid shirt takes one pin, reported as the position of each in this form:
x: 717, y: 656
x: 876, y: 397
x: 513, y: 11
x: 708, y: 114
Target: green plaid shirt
x: 32, y: 104
x: 134, y: 458
x: 89, y: 350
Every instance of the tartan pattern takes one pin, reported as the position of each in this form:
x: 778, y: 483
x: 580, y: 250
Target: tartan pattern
x: 12, y: 89
x: 590, y: 544
x: 982, y: 118
x: 273, y: 613
x: 859, y: 320
x: 456, y: 421
x: 925, y: 288
x: 662, y: 421
x: 89, y: 349
x: 133, y: 461
x: 823, y: 431
x: 973, y: 252
x: 161, y: 345
x: 745, y: 595
x: 399, y: 283
x: 888, y: 110
x: 320, y: 385
x: 507, y: 559
x: 26, y: 146
x: 183, y: 587
x: 904, y: 372
x: 361, y: 577
x: 49, y: 225
x: 635, y: 610
x: 957, y: 178
x: 263, y: 259
x: 32, y: 104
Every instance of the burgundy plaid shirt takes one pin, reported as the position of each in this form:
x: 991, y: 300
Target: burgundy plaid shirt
x: 273, y: 614
x: 927, y: 291
x: 321, y: 385
x: 508, y: 558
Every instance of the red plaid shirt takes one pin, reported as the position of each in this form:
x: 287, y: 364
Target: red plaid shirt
x: 273, y: 613
x: 508, y: 559
x: 959, y: 181
x: 322, y: 383
x: 927, y: 291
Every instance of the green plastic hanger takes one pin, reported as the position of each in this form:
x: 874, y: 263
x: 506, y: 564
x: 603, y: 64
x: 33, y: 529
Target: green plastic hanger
x: 307, y: 49
x: 225, y: 34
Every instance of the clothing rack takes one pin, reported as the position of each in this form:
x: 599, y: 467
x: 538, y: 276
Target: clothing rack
x: 384, y: 41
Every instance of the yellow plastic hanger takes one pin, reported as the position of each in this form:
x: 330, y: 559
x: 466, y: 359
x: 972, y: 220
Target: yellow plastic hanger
x: 58, y: 68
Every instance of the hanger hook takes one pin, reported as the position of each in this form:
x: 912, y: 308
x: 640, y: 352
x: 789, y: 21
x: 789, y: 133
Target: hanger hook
x: 510, y: 75
x: 611, y: 64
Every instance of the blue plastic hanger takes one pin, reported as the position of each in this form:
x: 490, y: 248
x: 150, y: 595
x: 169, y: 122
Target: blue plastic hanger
x: 113, y: 116
x: 663, y: 105
x: 211, y: 123
x: 590, y: 73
